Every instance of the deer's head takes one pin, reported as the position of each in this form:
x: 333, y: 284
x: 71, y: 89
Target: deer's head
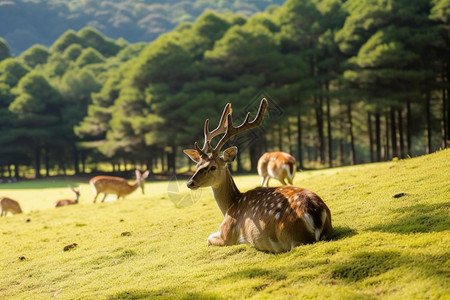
x: 211, y: 168
x: 140, y: 178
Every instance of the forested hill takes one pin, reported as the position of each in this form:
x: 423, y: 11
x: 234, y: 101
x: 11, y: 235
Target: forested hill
x: 347, y: 82
x: 24, y: 23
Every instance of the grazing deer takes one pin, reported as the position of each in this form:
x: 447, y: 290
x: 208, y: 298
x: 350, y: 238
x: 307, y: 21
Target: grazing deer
x: 10, y: 205
x: 66, y: 202
x: 271, y: 219
x: 116, y: 185
x: 278, y: 165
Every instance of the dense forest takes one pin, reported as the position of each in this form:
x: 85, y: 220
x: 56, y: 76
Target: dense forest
x: 24, y: 23
x: 347, y: 81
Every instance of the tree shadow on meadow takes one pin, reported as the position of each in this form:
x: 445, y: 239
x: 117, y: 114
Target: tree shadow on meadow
x: 420, y: 218
x: 368, y: 264
x: 162, y: 294
x: 41, y: 183
x: 342, y: 232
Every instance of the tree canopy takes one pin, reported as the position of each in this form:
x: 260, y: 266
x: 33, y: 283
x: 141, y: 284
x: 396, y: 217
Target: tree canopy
x: 347, y: 81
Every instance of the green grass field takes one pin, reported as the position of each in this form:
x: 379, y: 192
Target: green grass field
x: 392, y: 241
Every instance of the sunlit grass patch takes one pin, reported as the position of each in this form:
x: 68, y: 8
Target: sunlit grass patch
x: 391, y: 241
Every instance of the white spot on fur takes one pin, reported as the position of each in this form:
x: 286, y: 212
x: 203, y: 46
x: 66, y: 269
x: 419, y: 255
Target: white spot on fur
x: 242, y: 240
x: 317, y: 233
x: 275, y: 246
x: 277, y: 216
x: 279, y: 205
x: 214, y: 235
x: 309, y: 222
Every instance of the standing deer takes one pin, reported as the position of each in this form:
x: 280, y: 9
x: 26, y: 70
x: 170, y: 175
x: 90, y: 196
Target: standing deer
x: 116, y: 185
x: 65, y: 202
x: 271, y: 219
x: 278, y: 165
x: 10, y: 205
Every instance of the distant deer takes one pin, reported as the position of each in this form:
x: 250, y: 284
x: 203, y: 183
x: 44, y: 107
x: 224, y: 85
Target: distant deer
x: 117, y: 185
x: 271, y: 219
x: 278, y: 165
x: 10, y: 205
x: 65, y: 202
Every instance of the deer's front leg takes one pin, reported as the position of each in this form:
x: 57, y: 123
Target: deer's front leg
x: 227, y: 235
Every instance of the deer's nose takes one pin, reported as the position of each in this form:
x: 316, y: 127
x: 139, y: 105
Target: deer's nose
x: 190, y: 184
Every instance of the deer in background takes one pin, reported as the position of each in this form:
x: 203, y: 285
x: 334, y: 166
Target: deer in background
x: 65, y: 202
x: 8, y: 204
x: 117, y: 185
x: 278, y: 165
x: 271, y: 219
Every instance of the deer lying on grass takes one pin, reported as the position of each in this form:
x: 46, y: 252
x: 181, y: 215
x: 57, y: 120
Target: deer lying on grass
x: 271, y: 219
x: 8, y: 204
x: 65, y: 202
x: 278, y: 165
x: 116, y: 185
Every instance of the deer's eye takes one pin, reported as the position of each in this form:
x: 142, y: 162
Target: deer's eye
x: 213, y: 168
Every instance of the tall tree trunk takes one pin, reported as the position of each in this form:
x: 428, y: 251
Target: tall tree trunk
x: 350, y: 132
x: 83, y: 162
x: 299, y: 141
x: 47, y: 161
x: 37, y: 161
x: 369, y: 125
x: 75, y: 159
x: 16, y: 170
x: 239, y: 163
x: 253, y: 150
x: 378, y: 135
x: 319, y: 124
x: 444, y: 103
x: 400, y: 133
x: 149, y: 164
x: 387, y: 155
x: 447, y: 81
x: 342, y: 130
x: 280, y: 137
x: 289, y: 133
x: 393, y: 133
x: 273, y: 138
x: 408, y: 127
x: 329, y: 137
x: 429, y: 148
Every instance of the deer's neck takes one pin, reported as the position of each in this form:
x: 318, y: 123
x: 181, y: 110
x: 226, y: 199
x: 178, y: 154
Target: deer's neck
x: 226, y: 193
x: 134, y: 185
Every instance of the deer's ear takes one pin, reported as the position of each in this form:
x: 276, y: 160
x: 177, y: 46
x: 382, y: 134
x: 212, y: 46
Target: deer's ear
x: 229, y: 154
x: 193, y: 154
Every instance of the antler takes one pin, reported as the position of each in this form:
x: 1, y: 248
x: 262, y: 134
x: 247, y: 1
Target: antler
x: 226, y: 127
x: 221, y: 128
x: 246, y: 125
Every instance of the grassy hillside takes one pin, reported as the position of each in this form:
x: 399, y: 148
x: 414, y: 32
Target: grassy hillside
x: 392, y: 225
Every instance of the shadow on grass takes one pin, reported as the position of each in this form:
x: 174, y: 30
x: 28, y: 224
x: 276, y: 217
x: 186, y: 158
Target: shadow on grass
x: 420, y: 218
x: 40, y: 184
x: 366, y: 264
x: 162, y: 294
x: 369, y: 264
x: 256, y: 273
x: 342, y: 232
